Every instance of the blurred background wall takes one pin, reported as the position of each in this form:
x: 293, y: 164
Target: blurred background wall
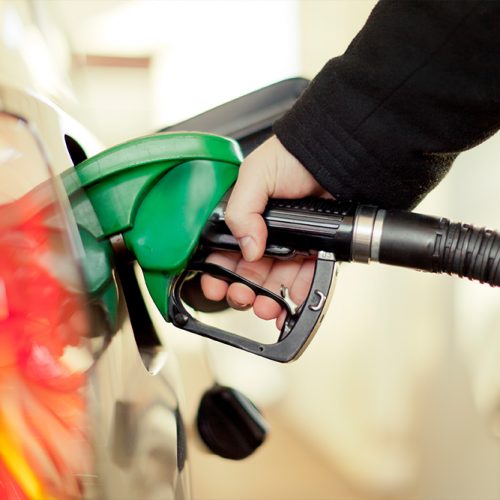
x: 399, y: 394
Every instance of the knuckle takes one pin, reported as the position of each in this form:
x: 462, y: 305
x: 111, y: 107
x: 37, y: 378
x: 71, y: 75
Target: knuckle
x: 231, y: 218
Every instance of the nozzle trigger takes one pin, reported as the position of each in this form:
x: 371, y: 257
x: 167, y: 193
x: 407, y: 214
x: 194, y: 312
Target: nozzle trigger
x: 300, y: 324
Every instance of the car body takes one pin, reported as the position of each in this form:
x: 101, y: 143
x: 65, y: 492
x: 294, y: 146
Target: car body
x: 87, y: 410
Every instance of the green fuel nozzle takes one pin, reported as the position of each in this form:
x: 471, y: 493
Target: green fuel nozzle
x: 154, y: 192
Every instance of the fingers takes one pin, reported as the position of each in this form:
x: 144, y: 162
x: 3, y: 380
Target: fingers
x: 212, y: 288
x: 240, y: 296
x: 295, y: 275
x: 280, y: 320
x: 302, y: 282
x: 283, y: 273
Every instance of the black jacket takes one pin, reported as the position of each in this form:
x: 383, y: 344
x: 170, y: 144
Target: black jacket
x: 419, y: 84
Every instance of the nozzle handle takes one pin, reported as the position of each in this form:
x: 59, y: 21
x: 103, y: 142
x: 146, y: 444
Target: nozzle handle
x: 299, y: 327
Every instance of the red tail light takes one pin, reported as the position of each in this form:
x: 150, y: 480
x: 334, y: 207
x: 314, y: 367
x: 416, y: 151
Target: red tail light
x: 44, y: 445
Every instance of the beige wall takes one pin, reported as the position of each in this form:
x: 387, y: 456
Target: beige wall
x: 114, y: 102
x: 326, y: 29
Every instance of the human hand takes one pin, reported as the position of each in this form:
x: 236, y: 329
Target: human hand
x: 268, y: 172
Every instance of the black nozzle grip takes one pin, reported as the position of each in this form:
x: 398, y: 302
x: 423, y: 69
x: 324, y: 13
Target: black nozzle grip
x: 307, y: 226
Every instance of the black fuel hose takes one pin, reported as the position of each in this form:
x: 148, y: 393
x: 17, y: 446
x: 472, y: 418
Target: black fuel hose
x: 364, y: 233
x: 440, y: 246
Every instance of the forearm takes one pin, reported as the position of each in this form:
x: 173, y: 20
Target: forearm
x: 419, y: 84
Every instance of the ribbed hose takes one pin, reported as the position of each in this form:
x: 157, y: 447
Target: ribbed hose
x: 439, y: 246
x: 469, y: 252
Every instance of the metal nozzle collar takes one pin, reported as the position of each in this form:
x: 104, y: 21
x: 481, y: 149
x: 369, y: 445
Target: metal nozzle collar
x: 367, y: 233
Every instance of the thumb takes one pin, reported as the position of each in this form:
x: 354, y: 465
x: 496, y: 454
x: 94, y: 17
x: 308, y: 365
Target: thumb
x: 246, y: 204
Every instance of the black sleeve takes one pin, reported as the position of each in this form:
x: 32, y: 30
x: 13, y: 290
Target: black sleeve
x: 419, y: 84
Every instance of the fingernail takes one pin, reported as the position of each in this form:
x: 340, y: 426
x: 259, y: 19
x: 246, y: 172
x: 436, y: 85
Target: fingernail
x: 248, y: 247
x: 238, y: 305
x: 242, y: 307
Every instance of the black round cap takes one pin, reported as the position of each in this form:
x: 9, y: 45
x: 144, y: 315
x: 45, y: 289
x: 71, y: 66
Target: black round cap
x: 229, y: 423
